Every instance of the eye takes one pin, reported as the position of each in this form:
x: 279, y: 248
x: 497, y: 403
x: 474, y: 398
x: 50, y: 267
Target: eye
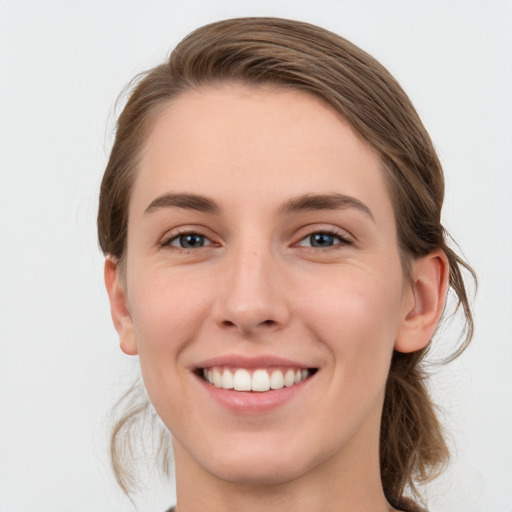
x: 188, y: 241
x: 324, y: 239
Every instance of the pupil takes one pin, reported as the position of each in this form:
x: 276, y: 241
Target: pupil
x: 191, y: 241
x: 321, y: 240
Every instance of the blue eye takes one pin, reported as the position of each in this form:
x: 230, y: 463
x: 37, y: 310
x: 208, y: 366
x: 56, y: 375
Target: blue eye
x: 323, y: 239
x: 189, y: 241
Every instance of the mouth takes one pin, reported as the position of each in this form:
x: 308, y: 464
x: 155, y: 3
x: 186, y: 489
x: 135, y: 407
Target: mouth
x: 258, y: 380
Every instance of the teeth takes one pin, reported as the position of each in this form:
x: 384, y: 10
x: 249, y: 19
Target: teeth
x: 260, y: 380
x: 289, y: 378
x: 242, y: 380
x: 277, y: 380
x: 217, y: 378
x: 227, y: 380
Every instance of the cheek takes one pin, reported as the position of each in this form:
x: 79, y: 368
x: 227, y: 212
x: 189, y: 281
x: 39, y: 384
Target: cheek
x: 357, y: 317
x: 167, y: 312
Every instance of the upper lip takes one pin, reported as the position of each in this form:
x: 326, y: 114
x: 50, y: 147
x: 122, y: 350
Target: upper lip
x: 240, y: 361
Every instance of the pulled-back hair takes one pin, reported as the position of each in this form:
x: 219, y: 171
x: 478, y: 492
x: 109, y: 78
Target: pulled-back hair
x: 297, y: 55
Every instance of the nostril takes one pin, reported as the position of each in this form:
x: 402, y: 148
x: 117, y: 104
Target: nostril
x: 264, y: 323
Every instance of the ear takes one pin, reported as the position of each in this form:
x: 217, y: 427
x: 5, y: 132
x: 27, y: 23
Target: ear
x: 119, y: 307
x: 423, y: 302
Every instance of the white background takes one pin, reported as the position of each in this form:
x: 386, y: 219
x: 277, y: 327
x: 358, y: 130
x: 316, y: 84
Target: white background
x: 62, y: 65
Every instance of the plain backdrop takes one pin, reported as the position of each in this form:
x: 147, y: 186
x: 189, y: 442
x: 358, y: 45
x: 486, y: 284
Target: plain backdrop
x: 62, y: 65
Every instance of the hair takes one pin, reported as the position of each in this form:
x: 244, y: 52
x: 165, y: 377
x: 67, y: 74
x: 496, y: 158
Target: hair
x: 301, y: 56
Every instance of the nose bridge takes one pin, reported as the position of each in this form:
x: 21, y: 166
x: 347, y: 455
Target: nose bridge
x: 251, y: 297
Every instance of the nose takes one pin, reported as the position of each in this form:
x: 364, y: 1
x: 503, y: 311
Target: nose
x: 251, y: 296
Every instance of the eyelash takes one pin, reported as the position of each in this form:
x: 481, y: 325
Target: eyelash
x: 342, y: 240
x: 167, y: 242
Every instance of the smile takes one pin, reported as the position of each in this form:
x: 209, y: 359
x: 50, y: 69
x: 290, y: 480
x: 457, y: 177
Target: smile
x: 258, y: 380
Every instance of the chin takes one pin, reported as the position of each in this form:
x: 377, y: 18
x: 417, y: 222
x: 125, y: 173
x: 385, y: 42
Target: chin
x: 257, y: 473
x: 257, y: 463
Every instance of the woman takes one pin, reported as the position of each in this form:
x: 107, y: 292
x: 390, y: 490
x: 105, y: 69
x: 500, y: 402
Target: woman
x: 270, y: 216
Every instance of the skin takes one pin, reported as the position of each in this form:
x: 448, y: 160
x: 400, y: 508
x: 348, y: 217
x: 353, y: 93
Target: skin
x: 258, y: 287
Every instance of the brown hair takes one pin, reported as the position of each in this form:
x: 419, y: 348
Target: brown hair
x: 301, y: 56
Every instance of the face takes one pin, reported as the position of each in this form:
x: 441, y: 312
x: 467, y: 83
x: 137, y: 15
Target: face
x: 262, y: 254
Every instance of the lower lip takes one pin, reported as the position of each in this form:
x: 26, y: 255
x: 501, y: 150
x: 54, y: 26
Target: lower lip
x: 253, y: 402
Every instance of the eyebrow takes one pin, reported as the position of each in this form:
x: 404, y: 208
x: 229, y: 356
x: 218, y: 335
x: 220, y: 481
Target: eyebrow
x: 309, y: 202
x: 186, y: 201
x: 306, y: 202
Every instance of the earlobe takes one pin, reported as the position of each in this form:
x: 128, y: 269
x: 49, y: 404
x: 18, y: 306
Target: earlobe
x: 425, y: 302
x: 121, y: 316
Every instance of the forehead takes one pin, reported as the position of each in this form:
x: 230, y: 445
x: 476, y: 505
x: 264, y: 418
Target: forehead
x: 233, y: 140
